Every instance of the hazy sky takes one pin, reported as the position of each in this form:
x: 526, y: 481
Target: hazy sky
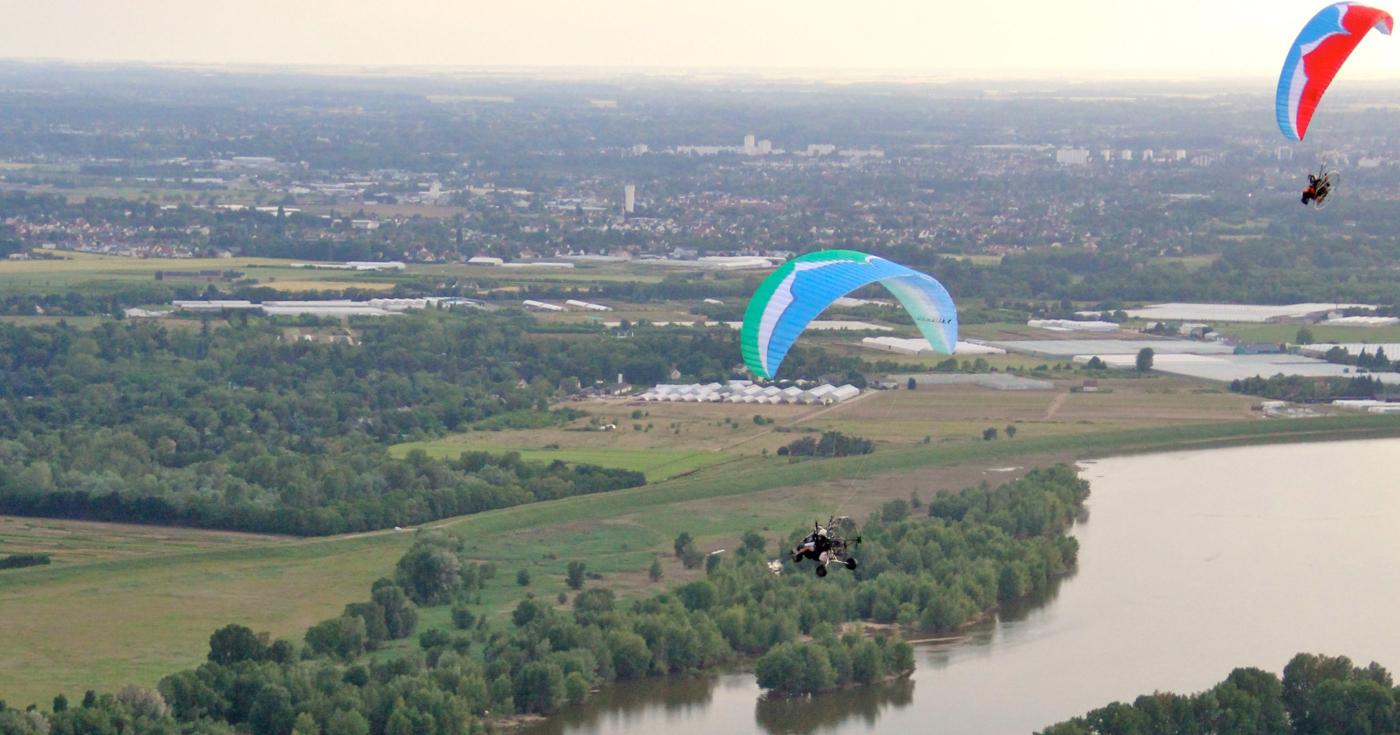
x: 1185, y: 38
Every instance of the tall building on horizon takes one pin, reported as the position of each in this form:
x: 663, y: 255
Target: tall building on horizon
x: 1072, y: 156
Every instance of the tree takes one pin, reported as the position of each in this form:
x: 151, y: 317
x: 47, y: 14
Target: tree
x: 894, y: 511
x: 233, y: 643
x: 867, y: 663
x: 540, y: 688
x: 912, y: 384
x: 575, y: 575
x: 432, y: 638
x: 592, y: 605
x: 631, y: 657
x: 429, y: 573
x: 778, y: 669
x: 654, y: 573
x: 343, y: 637
x: 372, y: 614
x: 700, y: 595
x: 683, y: 542
x: 1010, y: 431
x: 462, y: 617
x: 1144, y: 359
x: 522, y: 578
x: 347, y: 722
x: 753, y: 543
x: 1095, y: 364
x: 528, y: 611
x: 282, y: 651
x: 692, y: 558
x: 989, y: 433
x: 305, y: 724
x: 143, y: 702
x: 60, y: 703
x: 576, y: 687
x: 795, y: 668
x: 272, y: 713
x: 1304, y: 336
x: 400, y: 616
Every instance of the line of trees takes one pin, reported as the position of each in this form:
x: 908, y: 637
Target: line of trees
x: 19, y: 561
x: 831, y: 444
x: 1300, y: 388
x: 1318, y: 695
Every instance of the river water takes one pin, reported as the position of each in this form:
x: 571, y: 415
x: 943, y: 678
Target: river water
x: 1191, y: 563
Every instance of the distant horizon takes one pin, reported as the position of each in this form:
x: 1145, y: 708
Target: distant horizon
x: 833, y: 76
x: 925, y: 39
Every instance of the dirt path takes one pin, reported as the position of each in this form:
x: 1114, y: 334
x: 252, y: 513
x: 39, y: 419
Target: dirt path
x: 1055, y: 404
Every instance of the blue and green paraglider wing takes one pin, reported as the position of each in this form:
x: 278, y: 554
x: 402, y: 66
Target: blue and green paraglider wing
x: 793, y: 295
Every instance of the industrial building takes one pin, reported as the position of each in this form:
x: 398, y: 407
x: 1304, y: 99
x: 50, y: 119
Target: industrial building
x: 920, y: 346
x: 744, y: 391
x: 328, y: 307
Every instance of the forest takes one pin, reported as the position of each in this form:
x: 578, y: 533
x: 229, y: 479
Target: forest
x: 240, y: 428
x: 1317, y: 695
x: 936, y: 570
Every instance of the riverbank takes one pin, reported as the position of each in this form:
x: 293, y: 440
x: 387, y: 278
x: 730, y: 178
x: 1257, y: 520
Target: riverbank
x: 165, y: 605
x: 1192, y: 563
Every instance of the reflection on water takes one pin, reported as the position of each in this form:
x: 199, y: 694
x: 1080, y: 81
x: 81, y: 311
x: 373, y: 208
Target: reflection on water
x: 720, y: 704
x: 630, y: 704
x: 1195, y: 563
x: 861, y: 706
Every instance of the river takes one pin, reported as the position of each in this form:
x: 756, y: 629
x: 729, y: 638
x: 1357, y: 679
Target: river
x: 1191, y: 563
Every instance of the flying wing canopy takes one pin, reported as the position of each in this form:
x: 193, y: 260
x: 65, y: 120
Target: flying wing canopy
x: 793, y: 295
x: 1315, y: 57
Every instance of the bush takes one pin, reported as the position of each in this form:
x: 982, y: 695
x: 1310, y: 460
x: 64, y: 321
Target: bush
x: 574, y: 577
x: 575, y: 687
x: 700, y: 595
x: 342, y: 638
x: 692, y: 558
x: 17, y: 561
x: 683, y: 542
x: 432, y: 638
x: 831, y: 444
x: 753, y: 543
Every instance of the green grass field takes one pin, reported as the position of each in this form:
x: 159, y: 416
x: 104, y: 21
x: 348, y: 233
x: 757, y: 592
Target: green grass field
x: 108, y: 622
x: 669, y: 439
x: 100, y: 273
x: 74, y: 542
x: 1321, y: 332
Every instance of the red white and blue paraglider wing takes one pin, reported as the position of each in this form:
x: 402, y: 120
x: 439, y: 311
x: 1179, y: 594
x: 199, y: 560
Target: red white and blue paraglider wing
x: 1319, y: 51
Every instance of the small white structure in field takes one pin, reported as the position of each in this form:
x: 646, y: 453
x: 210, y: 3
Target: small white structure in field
x: 587, y: 306
x: 845, y: 392
x: 1072, y: 325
